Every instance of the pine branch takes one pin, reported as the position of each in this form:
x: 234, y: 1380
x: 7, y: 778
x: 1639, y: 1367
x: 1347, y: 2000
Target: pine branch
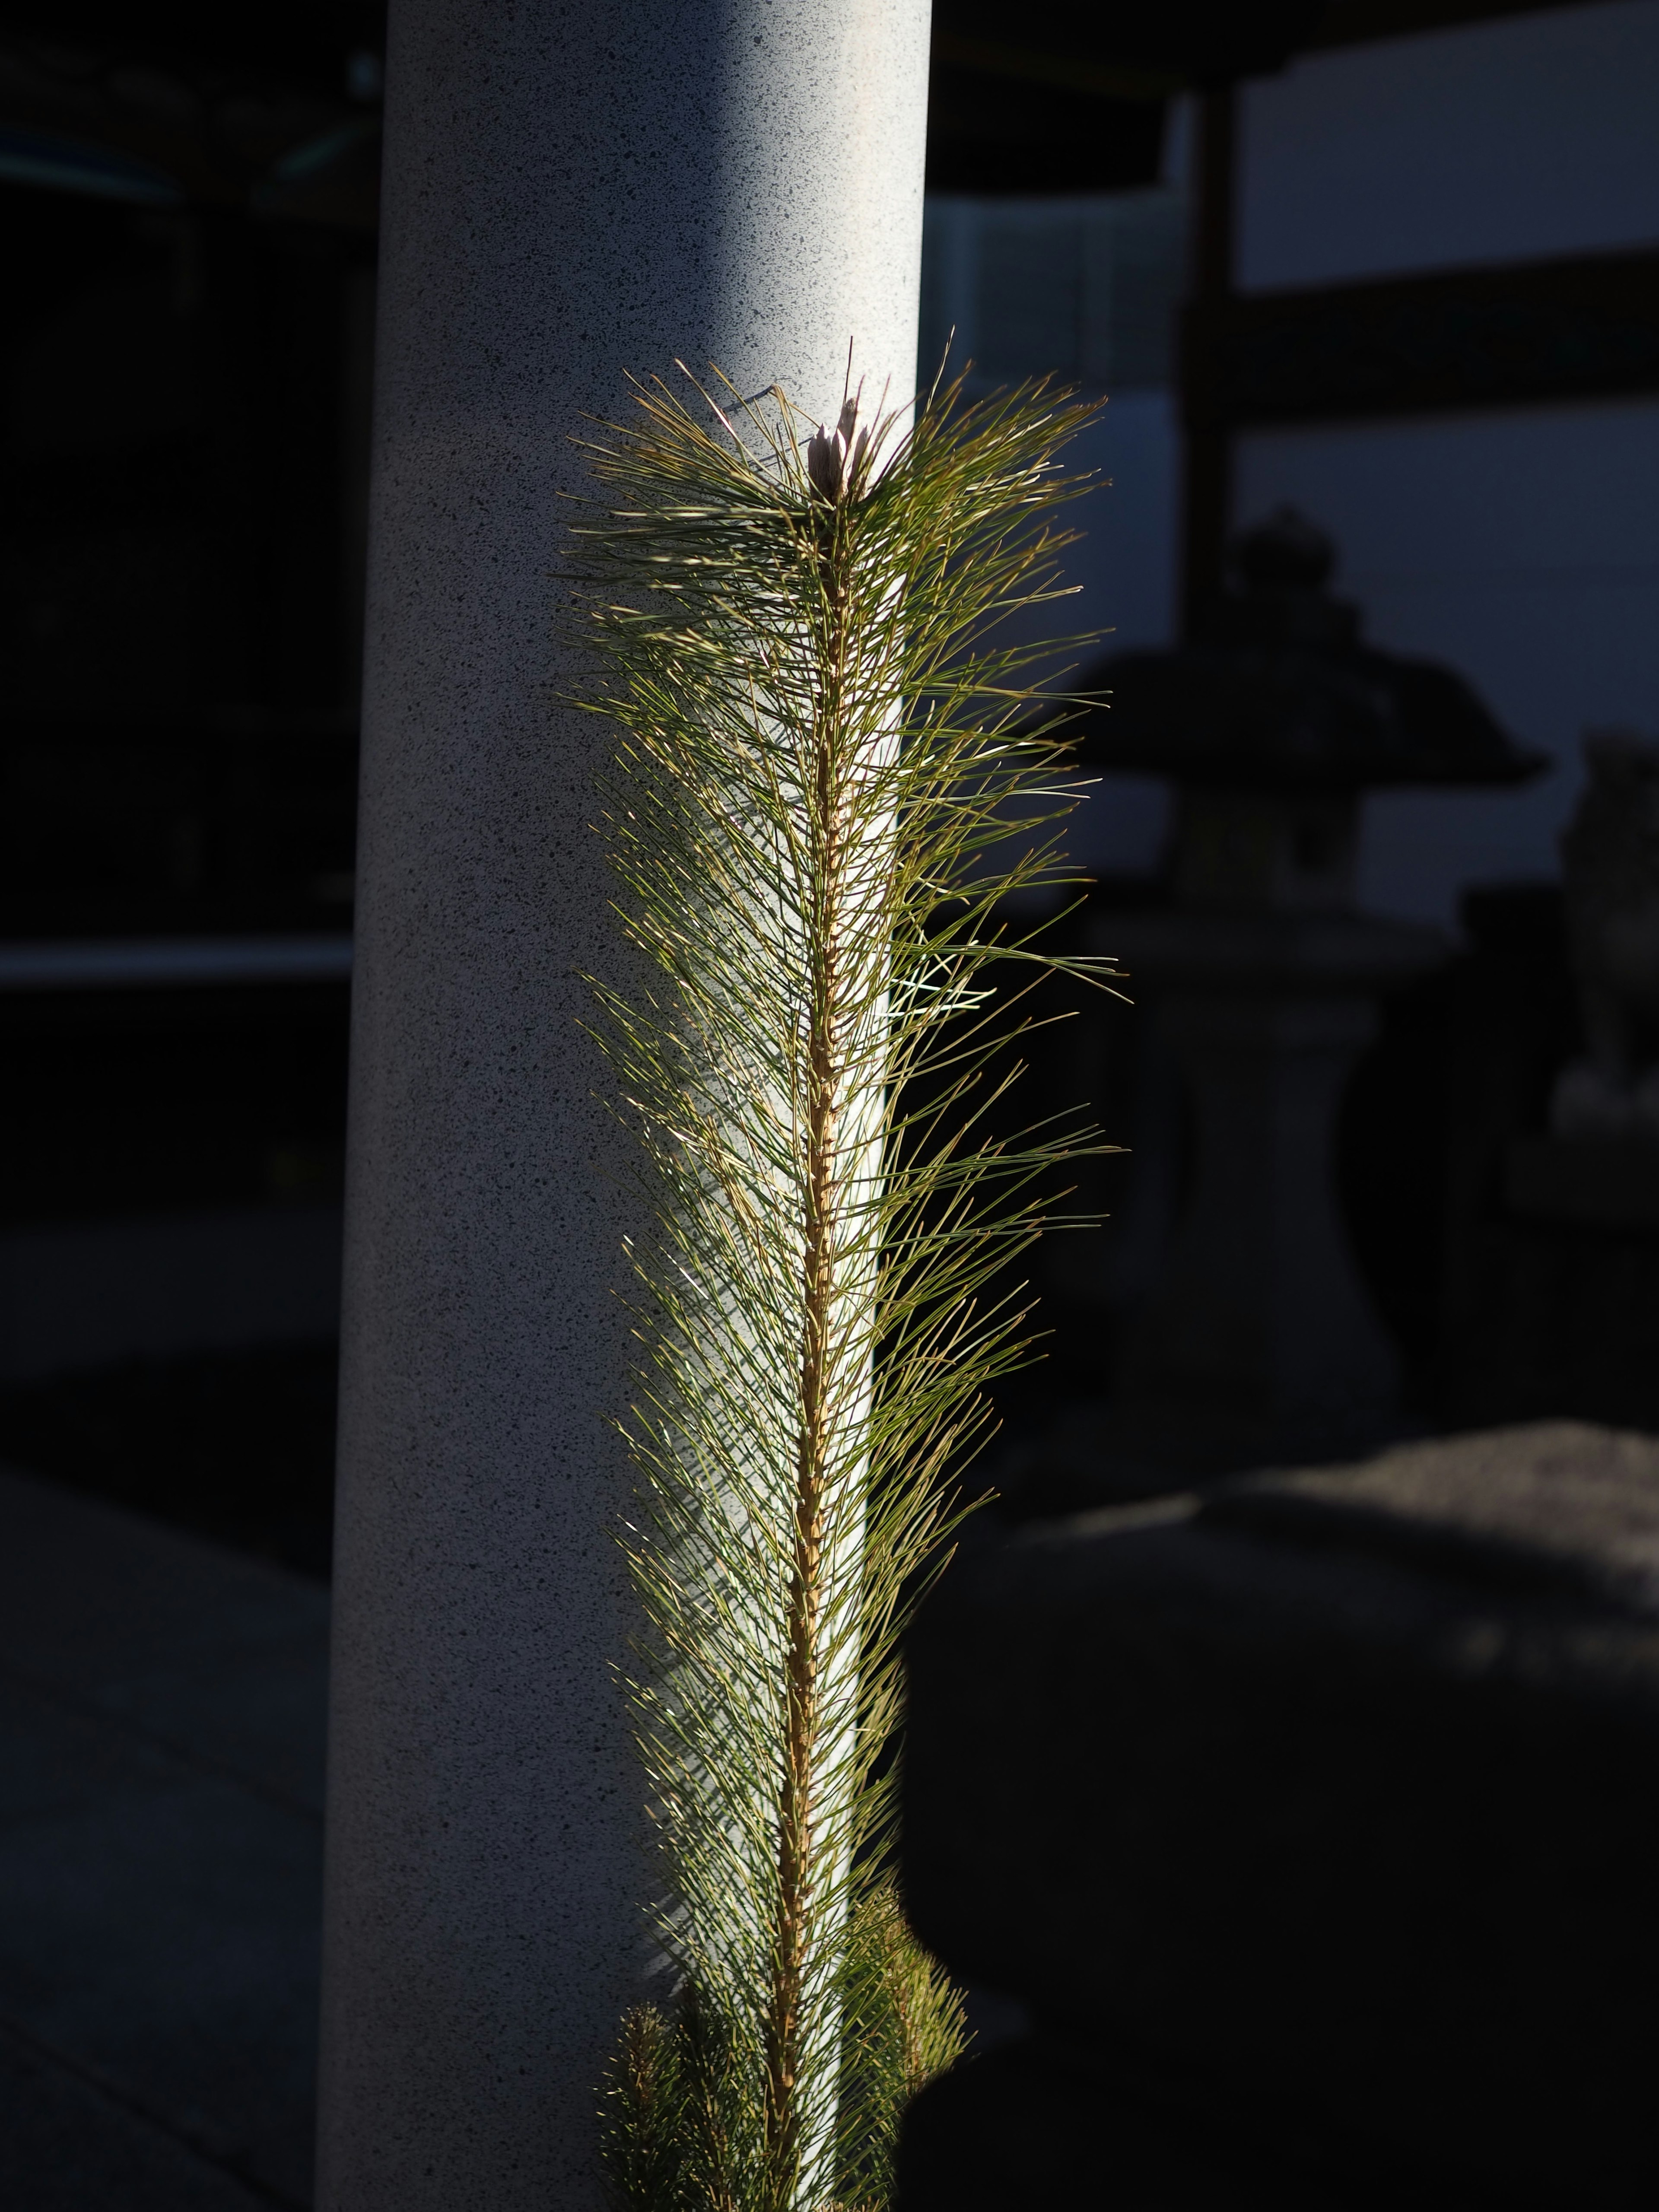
x: 825, y: 751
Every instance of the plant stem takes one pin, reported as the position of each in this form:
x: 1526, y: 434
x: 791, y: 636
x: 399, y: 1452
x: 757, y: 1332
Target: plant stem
x: 797, y: 1871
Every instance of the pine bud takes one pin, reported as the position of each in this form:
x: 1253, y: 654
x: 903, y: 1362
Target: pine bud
x: 835, y: 458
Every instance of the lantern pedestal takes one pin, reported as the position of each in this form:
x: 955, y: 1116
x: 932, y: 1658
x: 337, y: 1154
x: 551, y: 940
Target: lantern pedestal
x: 1258, y: 1340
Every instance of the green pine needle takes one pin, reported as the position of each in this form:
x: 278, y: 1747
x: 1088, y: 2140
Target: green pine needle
x: 825, y: 757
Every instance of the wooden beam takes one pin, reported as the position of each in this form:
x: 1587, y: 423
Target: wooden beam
x: 1519, y: 334
x: 1206, y: 497
x: 1356, y: 22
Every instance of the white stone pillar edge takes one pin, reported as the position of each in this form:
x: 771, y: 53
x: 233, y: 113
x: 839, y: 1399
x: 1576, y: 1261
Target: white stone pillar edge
x: 571, y: 192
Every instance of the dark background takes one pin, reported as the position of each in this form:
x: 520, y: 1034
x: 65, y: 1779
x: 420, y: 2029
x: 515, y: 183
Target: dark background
x: 186, y: 373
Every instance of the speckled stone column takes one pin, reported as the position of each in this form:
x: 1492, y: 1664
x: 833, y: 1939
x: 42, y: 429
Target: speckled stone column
x: 573, y: 192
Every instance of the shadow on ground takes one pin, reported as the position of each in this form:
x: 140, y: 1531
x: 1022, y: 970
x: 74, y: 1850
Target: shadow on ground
x: 161, y: 1714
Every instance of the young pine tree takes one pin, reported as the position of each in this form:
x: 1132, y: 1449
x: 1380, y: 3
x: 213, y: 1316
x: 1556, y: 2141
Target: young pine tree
x: 829, y: 775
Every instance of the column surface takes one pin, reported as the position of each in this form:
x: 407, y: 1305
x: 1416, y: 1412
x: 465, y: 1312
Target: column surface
x: 572, y: 192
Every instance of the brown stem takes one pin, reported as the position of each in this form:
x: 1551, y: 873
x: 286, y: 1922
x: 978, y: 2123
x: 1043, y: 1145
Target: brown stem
x: 797, y: 1871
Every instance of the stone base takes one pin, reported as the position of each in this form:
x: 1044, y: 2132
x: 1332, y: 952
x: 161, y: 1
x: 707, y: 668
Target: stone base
x: 1315, y: 1821
x: 1046, y: 2126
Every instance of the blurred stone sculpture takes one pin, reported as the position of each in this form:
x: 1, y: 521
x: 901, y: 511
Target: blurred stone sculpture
x: 1257, y: 1341
x: 1610, y: 864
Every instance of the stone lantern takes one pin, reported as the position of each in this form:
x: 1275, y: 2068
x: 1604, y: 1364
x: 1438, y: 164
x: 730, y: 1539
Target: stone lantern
x: 1258, y: 1342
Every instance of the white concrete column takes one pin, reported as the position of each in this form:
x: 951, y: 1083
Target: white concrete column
x: 572, y: 190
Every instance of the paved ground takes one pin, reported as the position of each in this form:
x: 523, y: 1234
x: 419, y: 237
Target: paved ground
x: 161, y: 1795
